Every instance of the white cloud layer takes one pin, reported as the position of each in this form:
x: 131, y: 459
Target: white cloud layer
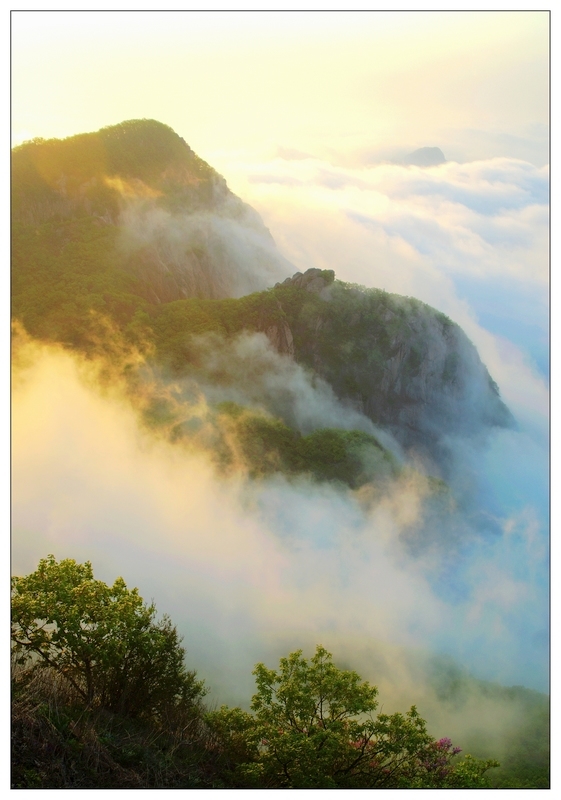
x: 249, y: 571
x: 471, y: 239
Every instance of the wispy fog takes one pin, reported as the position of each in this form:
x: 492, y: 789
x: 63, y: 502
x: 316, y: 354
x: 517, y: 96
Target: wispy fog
x: 248, y: 370
x: 226, y: 252
x: 249, y: 570
x: 471, y: 239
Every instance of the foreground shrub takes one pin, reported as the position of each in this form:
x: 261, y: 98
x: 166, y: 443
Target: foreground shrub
x: 102, y: 640
x: 313, y: 727
x: 101, y: 698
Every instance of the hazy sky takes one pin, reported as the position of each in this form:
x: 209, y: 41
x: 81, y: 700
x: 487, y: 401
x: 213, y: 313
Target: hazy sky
x: 308, y: 115
x: 314, y: 81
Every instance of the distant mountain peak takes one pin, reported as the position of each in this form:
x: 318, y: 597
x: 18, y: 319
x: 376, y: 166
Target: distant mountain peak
x: 425, y: 157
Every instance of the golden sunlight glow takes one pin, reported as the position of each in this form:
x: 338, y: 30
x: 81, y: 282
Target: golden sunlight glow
x: 131, y: 189
x: 319, y: 81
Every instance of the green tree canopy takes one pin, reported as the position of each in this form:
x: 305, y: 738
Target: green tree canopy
x: 103, y: 639
x: 313, y: 727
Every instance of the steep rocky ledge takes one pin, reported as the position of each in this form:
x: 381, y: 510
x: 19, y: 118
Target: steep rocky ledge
x: 395, y: 359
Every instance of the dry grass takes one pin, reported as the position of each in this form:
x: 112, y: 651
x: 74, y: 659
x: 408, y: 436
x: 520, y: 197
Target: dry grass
x: 57, y: 743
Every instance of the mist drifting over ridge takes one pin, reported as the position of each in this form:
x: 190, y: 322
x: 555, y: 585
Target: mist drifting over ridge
x: 387, y: 577
x: 251, y: 570
x: 284, y: 520
x: 444, y: 234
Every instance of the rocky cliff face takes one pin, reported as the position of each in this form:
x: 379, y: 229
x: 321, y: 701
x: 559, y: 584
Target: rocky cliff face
x: 395, y: 359
x: 218, y: 253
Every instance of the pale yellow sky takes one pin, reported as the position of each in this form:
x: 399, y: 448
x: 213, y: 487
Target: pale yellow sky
x: 251, y: 81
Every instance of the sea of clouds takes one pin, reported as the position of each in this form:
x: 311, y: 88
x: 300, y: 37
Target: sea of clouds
x: 252, y: 571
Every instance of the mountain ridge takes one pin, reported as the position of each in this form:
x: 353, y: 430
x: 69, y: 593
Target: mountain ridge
x: 140, y: 175
x: 130, y: 223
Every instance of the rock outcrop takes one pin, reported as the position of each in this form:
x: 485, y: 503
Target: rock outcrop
x: 313, y: 280
x: 395, y: 359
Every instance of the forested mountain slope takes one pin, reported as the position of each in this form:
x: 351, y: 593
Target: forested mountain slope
x: 138, y: 192
x: 128, y: 224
